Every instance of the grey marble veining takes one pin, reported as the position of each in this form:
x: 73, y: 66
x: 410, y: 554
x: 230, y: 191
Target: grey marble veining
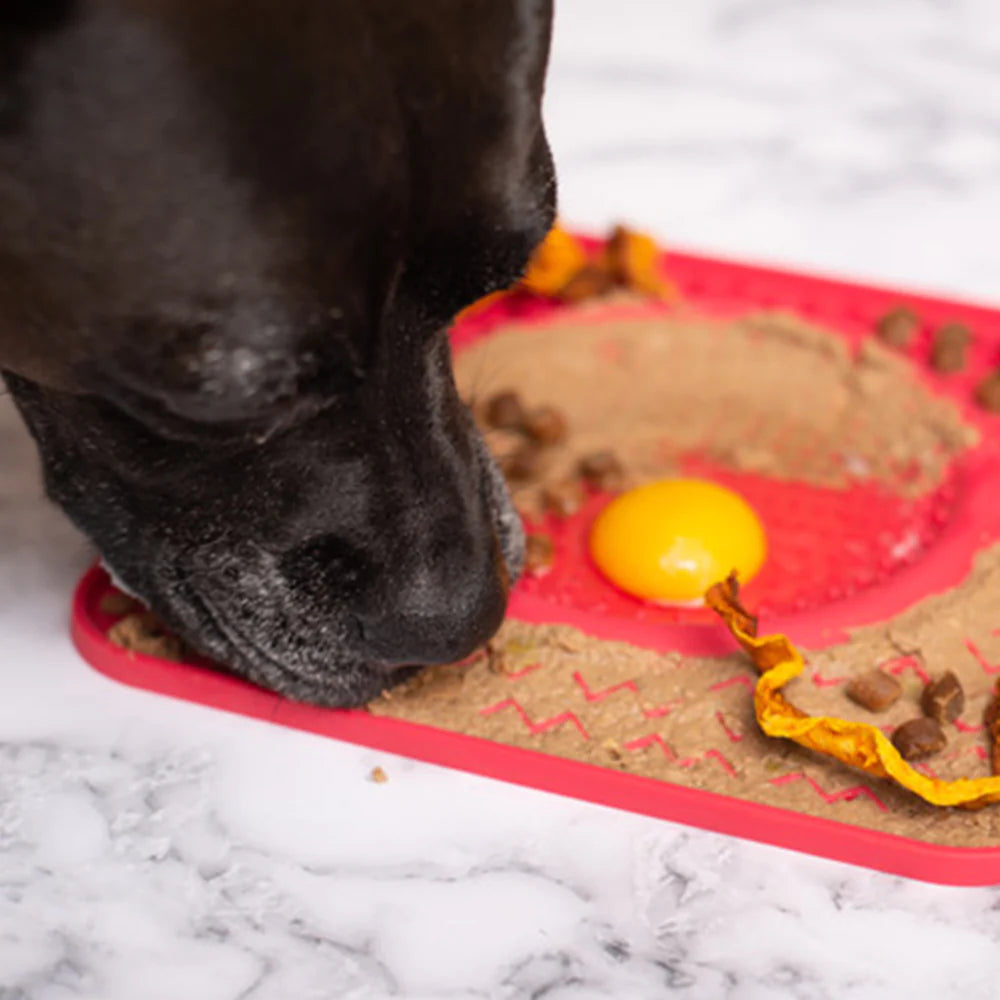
x: 151, y: 849
x: 857, y: 137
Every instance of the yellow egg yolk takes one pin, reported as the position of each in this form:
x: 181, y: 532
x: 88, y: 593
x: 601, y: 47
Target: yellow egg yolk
x: 669, y: 541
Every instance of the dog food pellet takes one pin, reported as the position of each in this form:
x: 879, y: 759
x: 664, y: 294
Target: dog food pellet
x: 898, y: 327
x: 874, y: 690
x: 943, y: 699
x: 546, y: 425
x: 539, y: 555
x: 563, y: 499
x: 957, y: 334
x: 505, y: 411
x: 988, y: 393
x: 948, y: 358
x: 991, y: 719
x: 379, y: 776
x: 115, y: 603
x: 143, y: 633
x: 950, y: 343
x: 602, y: 471
x: 521, y: 464
x: 918, y: 738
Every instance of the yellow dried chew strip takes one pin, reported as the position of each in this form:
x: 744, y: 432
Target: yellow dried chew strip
x: 555, y: 262
x: 633, y: 261
x: 560, y: 267
x: 855, y: 743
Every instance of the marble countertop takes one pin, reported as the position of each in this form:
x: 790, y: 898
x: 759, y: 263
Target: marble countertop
x: 151, y: 850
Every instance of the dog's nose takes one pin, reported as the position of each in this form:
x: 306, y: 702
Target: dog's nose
x: 427, y: 623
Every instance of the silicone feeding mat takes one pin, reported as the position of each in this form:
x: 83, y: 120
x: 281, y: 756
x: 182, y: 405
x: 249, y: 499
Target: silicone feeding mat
x: 840, y: 558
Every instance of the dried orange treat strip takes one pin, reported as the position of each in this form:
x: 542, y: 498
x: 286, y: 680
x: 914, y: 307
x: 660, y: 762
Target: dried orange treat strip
x: 561, y: 268
x: 554, y: 264
x: 557, y: 260
x: 855, y: 743
x: 634, y: 262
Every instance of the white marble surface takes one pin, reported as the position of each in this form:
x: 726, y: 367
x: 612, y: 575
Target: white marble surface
x: 150, y: 849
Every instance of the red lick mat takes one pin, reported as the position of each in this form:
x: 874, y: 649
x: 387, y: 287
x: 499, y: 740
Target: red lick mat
x: 866, y: 575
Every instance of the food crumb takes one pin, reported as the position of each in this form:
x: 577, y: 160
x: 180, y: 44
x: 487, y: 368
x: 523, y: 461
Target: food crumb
x: 144, y: 633
x: 539, y: 554
x: 614, y: 751
x: 378, y: 775
x: 563, y: 499
x: 116, y: 603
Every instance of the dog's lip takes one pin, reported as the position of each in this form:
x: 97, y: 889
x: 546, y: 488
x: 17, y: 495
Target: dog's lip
x: 507, y: 524
x: 240, y: 646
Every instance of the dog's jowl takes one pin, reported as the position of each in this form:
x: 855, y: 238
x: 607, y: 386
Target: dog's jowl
x: 232, y: 237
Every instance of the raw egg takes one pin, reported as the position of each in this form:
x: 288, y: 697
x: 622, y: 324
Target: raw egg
x: 669, y: 541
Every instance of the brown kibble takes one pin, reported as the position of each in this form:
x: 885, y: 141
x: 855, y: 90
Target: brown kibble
x: 948, y: 358
x: 991, y: 716
x: 988, y: 393
x: 602, y: 471
x: 898, y: 327
x: 563, y: 499
x: 991, y: 719
x: 950, y: 343
x: 144, y: 633
x: 875, y: 690
x: 522, y: 463
x: 953, y: 334
x: 943, y: 699
x: 919, y: 738
x: 633, y: 261
x: 505, y: 411
x: 545, y: 425
x: 539, y: 555
x: 117, y: 603
x: 379, y: 776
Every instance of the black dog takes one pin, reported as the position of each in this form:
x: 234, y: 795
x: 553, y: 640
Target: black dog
x: 232, y: 236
